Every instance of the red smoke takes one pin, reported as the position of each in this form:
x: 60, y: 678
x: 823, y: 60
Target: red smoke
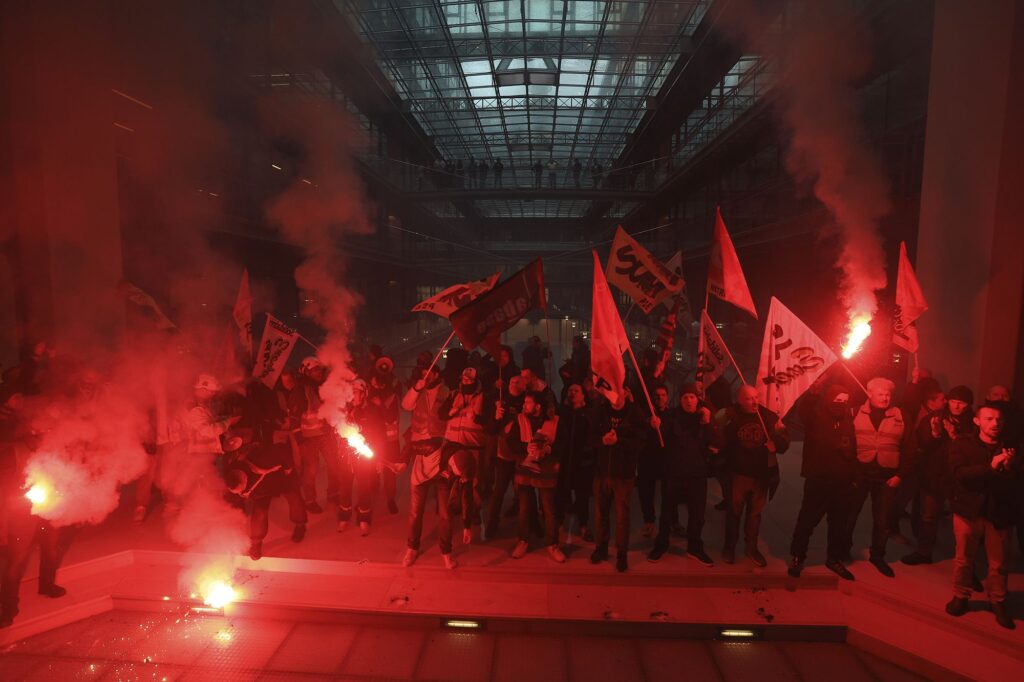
x: 819, y: 56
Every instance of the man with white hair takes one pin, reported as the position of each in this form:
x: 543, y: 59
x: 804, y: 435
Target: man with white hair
x: 881, y: 434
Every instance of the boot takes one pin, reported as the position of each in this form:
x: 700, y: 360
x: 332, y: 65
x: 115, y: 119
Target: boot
x: 256, y: 550
x: 599, y: 554
x: 796, y: 566
x: 1002, y: 615
x: 621, y: 562
x: 957, y: 606
x: 299, y: 532
x: 52, y: 591
x: 839, y: 569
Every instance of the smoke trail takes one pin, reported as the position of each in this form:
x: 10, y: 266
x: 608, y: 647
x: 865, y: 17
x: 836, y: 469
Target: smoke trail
x: 324, y: 203
x: 819, y: 56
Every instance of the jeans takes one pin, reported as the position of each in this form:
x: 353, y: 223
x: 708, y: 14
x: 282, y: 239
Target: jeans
x: 528, y: 506
x: 607, y: 489
x: 748, y: 499
x: 310, y: 450
x: 363, y: 472
x: 646, y: 481
x: 970, y: 534
x: 882, y: 500
x: 928, y: 528
x: 417, y: 506
x: 259, y: 516
x: 828, y: 497
x: 504, y: 472
x: 572, y: 496
x: 693, y: 491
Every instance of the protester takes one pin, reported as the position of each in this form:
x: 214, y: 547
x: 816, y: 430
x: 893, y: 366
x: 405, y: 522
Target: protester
x: 690, y: 442
x: 371, y: 423
x: 316, y: 438
x: 534, y: 356
x: 508, y: 407
x: 752, y: 437
x: 651, y: 466
x: 425, y: 438
x: 882, y: 438
x: 529, y: 437
x: 619, y: 434
x: 465, y: 429
x: 574, y: 449
x: 936, y: 432
x: 984, y: 472
x: 384, y: 394
x: 828, y: 468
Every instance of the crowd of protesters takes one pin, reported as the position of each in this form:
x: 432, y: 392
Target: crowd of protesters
x: 493, y: 442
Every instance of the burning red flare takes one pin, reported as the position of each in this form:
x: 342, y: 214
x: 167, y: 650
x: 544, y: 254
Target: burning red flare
x: 860, y: 330
x: 356, y: 441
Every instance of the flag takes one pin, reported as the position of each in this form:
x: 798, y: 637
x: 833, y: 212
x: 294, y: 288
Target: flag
x: 685, y: 316
x: 712, y: 355
x: 276, y: 345
x: 455, y: 297
x: 666, y: 338
x: 640, y: 275
x: 792, y: 358
x: 481, y: 322
x: 242, y: 312
x: 145, y: 306
x: 725, y: 276
x: 607, y: 339
x: 910, y: 304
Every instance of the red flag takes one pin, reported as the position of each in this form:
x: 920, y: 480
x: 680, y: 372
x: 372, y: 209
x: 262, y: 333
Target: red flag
x: 792, y: 358
x: 910, y: 304
x: 481, y: 322
x: 607, y: 339
x: 725, y: 276
x: 455, y: 297
x: 242, y: 312
x: 667, y: 337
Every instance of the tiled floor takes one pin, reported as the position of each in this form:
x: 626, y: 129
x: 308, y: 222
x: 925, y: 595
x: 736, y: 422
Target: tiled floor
x: 127, y: 645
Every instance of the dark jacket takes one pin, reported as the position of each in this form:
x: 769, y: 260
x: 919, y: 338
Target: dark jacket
x: 619, y: 460
x: 929, y: 459
x: 743, y: 443
x: 978, y: 489
x: 573, y: 442
x: 653, y: 454
x: 687, y: 444
x: 541, y: 472
x: 829, y: 444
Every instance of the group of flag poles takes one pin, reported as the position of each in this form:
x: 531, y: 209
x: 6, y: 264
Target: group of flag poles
x: 792, y: 355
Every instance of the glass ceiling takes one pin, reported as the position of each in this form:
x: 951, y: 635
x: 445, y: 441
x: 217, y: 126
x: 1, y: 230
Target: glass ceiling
x: 523, y: 80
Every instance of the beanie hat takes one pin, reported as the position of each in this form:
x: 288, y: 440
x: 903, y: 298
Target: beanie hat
x: 689, y: 387
x: 961, y: 393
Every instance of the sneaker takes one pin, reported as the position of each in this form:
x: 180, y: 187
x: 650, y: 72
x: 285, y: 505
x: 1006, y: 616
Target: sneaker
x: 599, y: 554
x: 364, y: 528
x: 313, y: 508
x: 957, y: 606
x: 520, y: 550
x: 654, y: 556
x: 449, y: 561
x: 1002, y: 615
x: 648, y: 530
x: 392, y: 507
x: 839, y: 569
x: 883, y: 568
x: 342, y: 526
x: 299, y: 532
x: 916, y: 559
x: 700, y: 556
x: 796, y: 566
x: 53, y: 591
x: 410, y: 557
x: 467, y: 536
x: 139, y: 515
x: 758, y: 558
x: 556, y: 554
x: 729, y: 555
x: 621, y: 562
x: 256, y: 550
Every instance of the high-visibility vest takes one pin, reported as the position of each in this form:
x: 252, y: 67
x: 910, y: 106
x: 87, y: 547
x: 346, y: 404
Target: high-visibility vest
x: 463, y: 427
x: 881, y: 444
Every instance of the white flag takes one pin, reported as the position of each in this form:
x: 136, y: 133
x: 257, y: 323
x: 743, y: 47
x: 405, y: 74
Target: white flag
x: 792, y: 358
x: 712, y: 355
x: 456, y: 296
x: 276, y: 346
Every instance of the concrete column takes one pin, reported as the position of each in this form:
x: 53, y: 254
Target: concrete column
x: 61, y: 234
x: 970, y: 250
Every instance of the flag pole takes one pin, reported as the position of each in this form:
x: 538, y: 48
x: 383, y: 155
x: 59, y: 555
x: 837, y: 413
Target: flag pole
x: 303, y: 338
x: 853, y: 376
x: 647, y: 395
x: 438, y: 356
